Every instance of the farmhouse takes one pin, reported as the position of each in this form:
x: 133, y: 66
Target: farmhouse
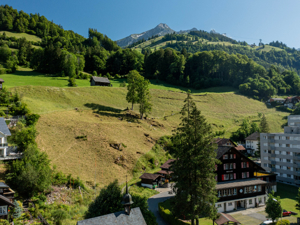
x: 99, y: 81
x: 277, y: 100
x: 252, y: 143
x: 290, y: 102
x: 6, y: 200
x: 4, y: 133
x: 150, y: 180
x: 228, y: 142
x: 241, y: 183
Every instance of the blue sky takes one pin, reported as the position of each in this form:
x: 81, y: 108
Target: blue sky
x: 242, y: 20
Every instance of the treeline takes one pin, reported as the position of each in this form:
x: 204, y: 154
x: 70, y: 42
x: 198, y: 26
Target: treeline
x: 142, y: 41
x: 211, y: 36
x: 283, y: 59
x: 218, y: 68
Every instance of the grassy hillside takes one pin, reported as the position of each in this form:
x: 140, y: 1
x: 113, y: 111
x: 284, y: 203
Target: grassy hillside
x: 97, y: 117
x: 29, y: 37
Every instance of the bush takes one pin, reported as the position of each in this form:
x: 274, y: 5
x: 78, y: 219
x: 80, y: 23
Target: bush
x: 168, y: 216
x: 283, y: 222
x: 4, y: 222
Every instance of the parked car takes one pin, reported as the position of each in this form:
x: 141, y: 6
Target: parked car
x: 286, y: 213
x: 266, y: 222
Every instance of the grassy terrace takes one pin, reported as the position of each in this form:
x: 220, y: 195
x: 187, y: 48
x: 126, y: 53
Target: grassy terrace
x: 29, y: 37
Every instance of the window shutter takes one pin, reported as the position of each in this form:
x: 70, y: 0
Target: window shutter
x: 234, y: 155
x: 247, y: 174
x: 234, y: 166
x: 223, y: 156
x: 247, y: 164
x: 242, y: 165
x: 234, y: 175
x: 224, y: 166
x: 222, y: 176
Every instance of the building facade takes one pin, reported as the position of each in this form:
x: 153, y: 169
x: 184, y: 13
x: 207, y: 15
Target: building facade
x: 280, y: 152
x: 241, y: 183
x: 252, y: 143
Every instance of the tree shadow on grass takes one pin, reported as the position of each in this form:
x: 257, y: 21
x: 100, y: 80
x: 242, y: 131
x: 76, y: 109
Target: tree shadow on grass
x: 104, y: 110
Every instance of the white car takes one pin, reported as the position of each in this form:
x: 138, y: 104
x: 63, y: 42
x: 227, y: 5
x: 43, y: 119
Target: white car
x: 266, y: 222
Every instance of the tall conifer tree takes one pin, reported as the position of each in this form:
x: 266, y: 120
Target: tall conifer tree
x: 194, y: 167
x: 264, y: 126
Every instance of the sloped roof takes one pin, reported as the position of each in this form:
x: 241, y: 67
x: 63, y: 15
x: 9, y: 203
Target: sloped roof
x: 167, y: 164
x: 240, y: 148
x: 149, y: 176
x: 6, y: 200
x: 221, y: 150
x: 224, y: 218
x: 1, y: 80
x: 101, y: 79
x: 253, y: 136
x: 240, y: 183
x: 278, y: 99
x: 3, y: 185
x: 164, y: 172
x: 118, y: 218
x: 3, y: 127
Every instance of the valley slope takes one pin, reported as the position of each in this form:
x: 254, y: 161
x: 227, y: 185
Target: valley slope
x: 96, y: 112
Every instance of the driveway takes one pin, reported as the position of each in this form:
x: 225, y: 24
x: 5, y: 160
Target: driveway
x: 153, y: 204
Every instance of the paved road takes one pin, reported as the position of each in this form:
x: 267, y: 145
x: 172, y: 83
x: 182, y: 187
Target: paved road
x: 153, y: 205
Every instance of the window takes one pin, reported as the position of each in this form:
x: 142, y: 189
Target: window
x: 288, y: 175
x: 229, y: 192
x: 288, y: 160
x: 229, y: 203
x: 231, y: 156
x: 287, y: 145
x: 226, y: 166
x: 3, y: 210
x: 231, y: 176
x: 265, y: 151
x: 250, y: 189
x: 280, y: 159
x: 219, y: 193
x: 254, y: 188
x: 279, y: 146
x: 225, y: 156
x: 226, y: 177
x: 224, y: 193
x: 265, y: 165
x: 234, y: 191
x: 246, y: 190
x: 219, y: 206
x: 288, y: 153
x: 259, y: 188
x: 244, y: 175
x: 250, y: 201
x: 231, y: 166
x: 288, y: 168
x: 265, y: 137
x: 287, y: 138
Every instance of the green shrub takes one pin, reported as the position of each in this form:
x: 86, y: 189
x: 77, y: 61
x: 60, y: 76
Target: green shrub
x: 283, y: 222
x: 4, y: 222
x: 168, y: 216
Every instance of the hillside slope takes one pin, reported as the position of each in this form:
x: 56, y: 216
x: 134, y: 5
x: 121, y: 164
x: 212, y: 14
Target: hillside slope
x: 97, y: 116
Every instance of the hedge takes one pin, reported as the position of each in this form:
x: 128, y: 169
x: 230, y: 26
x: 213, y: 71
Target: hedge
x: 168, y: 216
x: 283, y: 222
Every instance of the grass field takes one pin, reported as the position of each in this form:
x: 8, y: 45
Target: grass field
x: 29, y: 37
x: 98, y: 114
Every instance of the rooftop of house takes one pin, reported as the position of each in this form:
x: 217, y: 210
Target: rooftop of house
x: 3, y: 127
x: 3, y: 185
x: 240, y: 148
x: 278, y: 99
x: 240, y: 183
x: 221, y: 151
x: 118, y: 218
x: 222, y: 141
x: 1, y: 80
x: 101, y: 79
x: 167, y: 164
x: 225, y: 218
x: 149, y: 176
x: 253, y: 137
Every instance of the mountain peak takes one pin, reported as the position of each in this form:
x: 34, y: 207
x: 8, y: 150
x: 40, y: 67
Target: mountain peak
x: 163, y: 25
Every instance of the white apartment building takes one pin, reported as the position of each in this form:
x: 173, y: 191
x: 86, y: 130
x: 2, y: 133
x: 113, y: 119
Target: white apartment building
x: 280, y: 152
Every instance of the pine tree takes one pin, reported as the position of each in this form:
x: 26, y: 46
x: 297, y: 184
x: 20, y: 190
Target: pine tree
x: 195, y: 165
x: 264, y: 126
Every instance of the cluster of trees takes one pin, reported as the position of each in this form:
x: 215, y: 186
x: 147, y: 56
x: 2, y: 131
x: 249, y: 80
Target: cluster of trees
x: 218, y: 68
x: 212, y: 36
x: 247, y: 128
x: 142, y: 41
x: 138, y: 92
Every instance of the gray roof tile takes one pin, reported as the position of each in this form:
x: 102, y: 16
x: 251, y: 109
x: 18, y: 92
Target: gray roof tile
x: 3, y: 127
x: 119, y: 218
x: 101, y: 79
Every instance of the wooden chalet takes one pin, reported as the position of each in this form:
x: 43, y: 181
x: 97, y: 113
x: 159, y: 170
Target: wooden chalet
x: 99, y: 81
x: 165, y: 171
x: 228, y: 142
x: 241, y: 182
x: 6, y: 200
x: 150, y: 180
